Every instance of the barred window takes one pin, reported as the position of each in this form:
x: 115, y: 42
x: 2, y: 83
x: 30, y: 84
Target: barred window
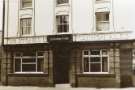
x: 95, y: 61
x: 29, y: 62
x: 25, y: 26
x: 62, y: 22
x: 26, y: 3
x: 62, y: 1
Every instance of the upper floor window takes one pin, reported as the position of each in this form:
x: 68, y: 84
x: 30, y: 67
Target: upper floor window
x: 26, y: 3
x: 102, y: 21
x: 95, y: 61
x: 62, y: 23
x: 25, y: 26
x: 62, y: 1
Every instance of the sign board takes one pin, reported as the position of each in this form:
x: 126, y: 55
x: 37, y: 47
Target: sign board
x: 60, y: 38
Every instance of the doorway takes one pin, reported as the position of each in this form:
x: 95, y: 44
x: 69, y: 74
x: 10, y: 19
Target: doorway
x: 61, y: 54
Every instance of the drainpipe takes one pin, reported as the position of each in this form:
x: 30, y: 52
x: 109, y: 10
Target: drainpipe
x: 3, y: 30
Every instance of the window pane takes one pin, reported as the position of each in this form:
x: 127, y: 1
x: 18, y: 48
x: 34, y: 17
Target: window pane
x: 62, y: 23
x: 17, y: 65
x: 17, y: 54
x: 86, y: 64
x: 40, y: 53
x: 29, y: 60
x: 26, y: 3
x: 25, y: 26
x: 104, y: 52
x: 86, y: 53
x: 40, y: 64
x: 104, y: 64
x: 95, y: 59
x: 95, y: 52
x: 28, y: 67
x: 95, y: 67
x: 102, y: 21
x: 62, y: 1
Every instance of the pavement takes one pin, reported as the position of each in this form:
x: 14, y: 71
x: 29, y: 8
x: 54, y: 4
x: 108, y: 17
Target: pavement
x: 58, y: 88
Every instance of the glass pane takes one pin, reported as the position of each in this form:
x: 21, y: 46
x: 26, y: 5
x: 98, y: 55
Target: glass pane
x: 17, y: 65
x: 95, y: 59
x: 40, y: 53
x: 62, y: 23
x: 86, y: 64
x: 40, y: 64
x: 28, y: 53
x: 104, y: 64
x: 86, y: 53
x: 28, y: 67
x: 25, y: 25
x: 62, y: 1
x: 17, y: 54
x: 95, y: 67
x: 95, y: 52
x: 26, y: 3
x: 29, y: 60
x: 104, y: 52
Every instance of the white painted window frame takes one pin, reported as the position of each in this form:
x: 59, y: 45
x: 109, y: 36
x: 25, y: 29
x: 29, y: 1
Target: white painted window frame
x: 26, y: 57
x: 27, y: 34
x: 89, y: 56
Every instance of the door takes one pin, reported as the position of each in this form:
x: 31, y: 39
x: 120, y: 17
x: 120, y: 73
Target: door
x: 61, y: 64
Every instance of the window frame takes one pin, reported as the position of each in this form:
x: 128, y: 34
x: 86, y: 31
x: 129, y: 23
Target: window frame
x: 100, y: 56
x: 27, y: 32
x: 58, y: 24
x: 21, y: 57
x: 102, y: 21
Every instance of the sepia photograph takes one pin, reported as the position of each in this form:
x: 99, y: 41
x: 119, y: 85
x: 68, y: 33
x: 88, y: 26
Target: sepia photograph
x: 67, y: 44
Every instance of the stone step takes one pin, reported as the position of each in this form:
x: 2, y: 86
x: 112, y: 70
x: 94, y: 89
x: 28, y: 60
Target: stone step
x: 62, y: 86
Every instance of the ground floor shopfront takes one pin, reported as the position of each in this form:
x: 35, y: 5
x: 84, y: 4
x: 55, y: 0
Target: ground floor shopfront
x: 80, y: 64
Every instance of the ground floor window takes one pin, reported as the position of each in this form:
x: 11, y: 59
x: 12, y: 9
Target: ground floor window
x: 133, y: 61
x: 95, y: 61
x: 29, y: 62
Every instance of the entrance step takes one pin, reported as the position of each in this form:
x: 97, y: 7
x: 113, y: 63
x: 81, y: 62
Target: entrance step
x: 63, y: 86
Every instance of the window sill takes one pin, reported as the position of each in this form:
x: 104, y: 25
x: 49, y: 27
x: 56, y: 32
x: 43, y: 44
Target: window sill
x: 28, y: 74
x: 95, y: 72
x: 25, y: 8
x: 96, y: 75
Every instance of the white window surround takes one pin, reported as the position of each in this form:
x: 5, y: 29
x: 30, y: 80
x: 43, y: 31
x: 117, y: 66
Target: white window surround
x: 21, y: 57
x: 83, y: 56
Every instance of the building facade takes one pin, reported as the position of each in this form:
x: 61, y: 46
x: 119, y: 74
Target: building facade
x: 85, y: 43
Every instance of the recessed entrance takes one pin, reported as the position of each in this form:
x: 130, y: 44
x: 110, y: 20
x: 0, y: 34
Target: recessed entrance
x: 61, y: 54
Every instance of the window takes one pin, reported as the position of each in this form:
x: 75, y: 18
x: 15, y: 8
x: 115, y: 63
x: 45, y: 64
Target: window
x: 102, y: 21
x: 133, y: 61
x: 28, y: 62
x: 95, y: 61
x: 62, y: 1
x: 62, y: 22
x: 25, y: 26
x: 26, y: 3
